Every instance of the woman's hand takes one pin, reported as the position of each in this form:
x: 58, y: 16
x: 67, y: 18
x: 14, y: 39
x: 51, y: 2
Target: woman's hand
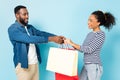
x: 74, y: 45
x: 68, y: 41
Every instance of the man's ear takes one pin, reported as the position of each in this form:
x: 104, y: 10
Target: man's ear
x: 17, y: 15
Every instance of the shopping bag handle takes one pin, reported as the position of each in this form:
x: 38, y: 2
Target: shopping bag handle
x: 64, y: 46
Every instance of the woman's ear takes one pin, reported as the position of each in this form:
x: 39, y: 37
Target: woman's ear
x: 98, y: 23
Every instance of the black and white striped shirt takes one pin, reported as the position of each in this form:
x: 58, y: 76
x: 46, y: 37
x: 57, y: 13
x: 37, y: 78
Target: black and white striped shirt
x: 92, y: 46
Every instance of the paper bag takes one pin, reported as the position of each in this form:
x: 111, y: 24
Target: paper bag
x: 63, y: 61
x: 59, y: 76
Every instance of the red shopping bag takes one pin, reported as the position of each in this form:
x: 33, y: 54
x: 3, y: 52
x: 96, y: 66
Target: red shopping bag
x: 59, y: 76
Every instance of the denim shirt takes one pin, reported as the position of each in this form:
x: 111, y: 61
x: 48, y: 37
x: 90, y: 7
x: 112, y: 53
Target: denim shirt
x: 21, y: 40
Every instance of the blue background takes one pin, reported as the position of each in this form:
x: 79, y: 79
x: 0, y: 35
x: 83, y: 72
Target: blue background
x: 61, y: 17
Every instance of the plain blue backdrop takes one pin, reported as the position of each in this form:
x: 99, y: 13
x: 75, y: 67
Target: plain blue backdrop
x: 61, y: 17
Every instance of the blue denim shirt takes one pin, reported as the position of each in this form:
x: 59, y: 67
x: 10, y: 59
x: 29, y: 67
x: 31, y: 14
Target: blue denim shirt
x: 20, y: 41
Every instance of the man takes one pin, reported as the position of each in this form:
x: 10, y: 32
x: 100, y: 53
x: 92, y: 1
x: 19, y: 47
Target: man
x: 25, y: 39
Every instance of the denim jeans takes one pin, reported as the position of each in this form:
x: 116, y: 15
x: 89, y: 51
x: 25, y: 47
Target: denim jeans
x: 91, y: 72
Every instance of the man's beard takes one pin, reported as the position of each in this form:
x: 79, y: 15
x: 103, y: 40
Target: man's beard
x: 23, y: 21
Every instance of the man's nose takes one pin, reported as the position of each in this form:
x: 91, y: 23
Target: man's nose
x: 27, y: 16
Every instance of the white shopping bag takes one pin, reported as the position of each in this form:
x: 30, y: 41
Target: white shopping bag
x: 63, y: 61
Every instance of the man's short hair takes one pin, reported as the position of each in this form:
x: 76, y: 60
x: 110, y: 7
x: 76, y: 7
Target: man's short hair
x: 17, y: 8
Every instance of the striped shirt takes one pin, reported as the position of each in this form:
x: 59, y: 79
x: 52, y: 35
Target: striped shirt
x: 92, y: 46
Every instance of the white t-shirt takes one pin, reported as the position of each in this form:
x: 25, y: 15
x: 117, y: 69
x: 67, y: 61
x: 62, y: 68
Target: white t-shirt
x: 32, y: 55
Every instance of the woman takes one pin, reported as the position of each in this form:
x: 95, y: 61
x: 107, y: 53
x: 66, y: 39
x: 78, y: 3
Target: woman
x: 92, y: 45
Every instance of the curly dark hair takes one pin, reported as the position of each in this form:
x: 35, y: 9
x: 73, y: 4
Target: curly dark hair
x: 105, y: 19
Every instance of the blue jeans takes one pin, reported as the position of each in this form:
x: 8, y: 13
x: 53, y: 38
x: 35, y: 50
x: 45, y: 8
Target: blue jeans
x: 91, y: 72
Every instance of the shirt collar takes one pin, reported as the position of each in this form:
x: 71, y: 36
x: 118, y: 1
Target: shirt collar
x: 17, y: 23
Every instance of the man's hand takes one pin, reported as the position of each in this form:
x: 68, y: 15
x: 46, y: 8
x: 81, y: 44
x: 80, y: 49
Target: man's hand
x: 57, y: 39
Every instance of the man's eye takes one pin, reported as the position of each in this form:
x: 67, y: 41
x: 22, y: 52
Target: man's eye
x: 24, y: 14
